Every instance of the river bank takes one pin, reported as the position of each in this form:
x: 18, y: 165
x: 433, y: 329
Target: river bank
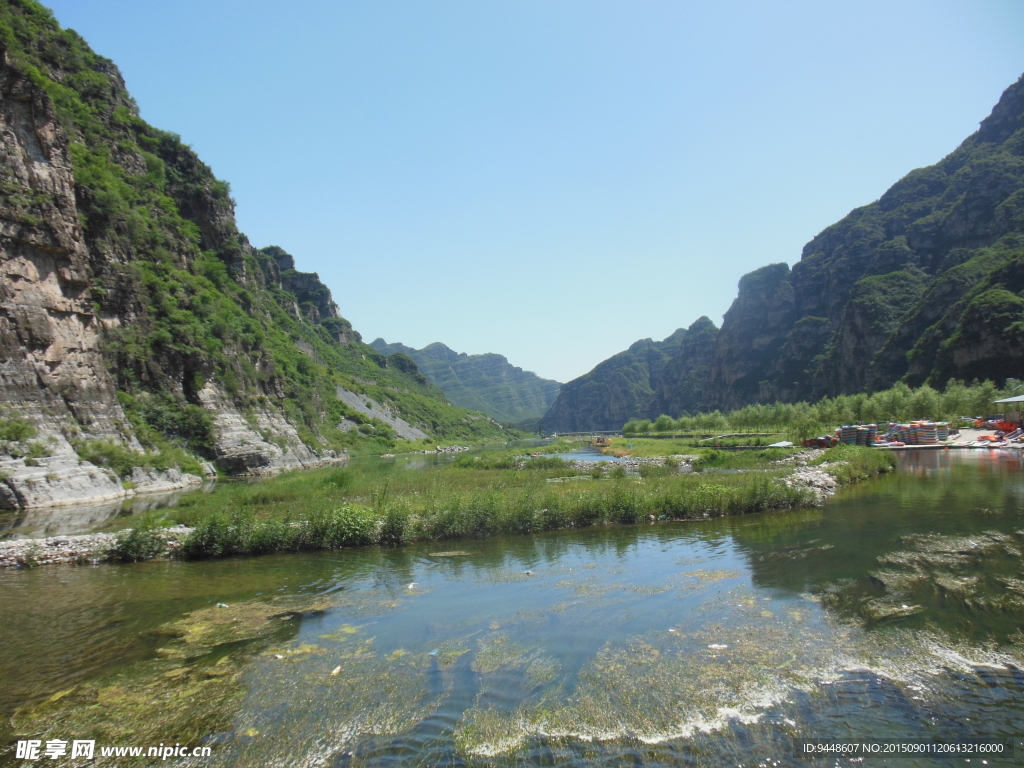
x: 475, y: 497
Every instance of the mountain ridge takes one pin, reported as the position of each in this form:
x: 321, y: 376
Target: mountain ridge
x: 923, y: 285
x: 485, y: 382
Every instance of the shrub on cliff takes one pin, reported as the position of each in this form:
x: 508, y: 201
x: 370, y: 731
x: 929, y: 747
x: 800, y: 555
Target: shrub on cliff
x: 122, y: 461
x: 13, y: 429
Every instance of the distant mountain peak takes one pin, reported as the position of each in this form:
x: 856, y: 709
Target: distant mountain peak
x: 486, y: 382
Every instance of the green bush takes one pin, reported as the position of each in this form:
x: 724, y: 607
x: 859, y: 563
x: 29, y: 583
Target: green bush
x: 664, y: 424
x: 346, y: 526
x: 241, y: 533
x: 395, y: 527
x: 707, y: 459
x: 184, y: 422
x: 122, y: 460
x: 142, y: 542
x: 858, y: 462
x: 14, y: 429
x: 110, y: 455
x: 209, y: 538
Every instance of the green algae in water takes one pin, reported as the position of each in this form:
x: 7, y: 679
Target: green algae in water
x: 371, y: 696
x: 499, y: 651
x: 190, y: 691
x: 944, y: 578
x: 655, y: 663
x: 723, y: 677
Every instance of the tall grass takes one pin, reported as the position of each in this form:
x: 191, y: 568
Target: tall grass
x: 383, y: 504
x: 856, y: 463
x: 451, y: 513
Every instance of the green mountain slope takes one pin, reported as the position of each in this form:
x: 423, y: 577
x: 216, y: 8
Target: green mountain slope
x: 616, y: 391
x: 924, y: 285
x: 487, y: 383
x: 132, y: 310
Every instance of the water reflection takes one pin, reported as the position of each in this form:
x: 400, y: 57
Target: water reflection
x: 83, y: 518
x: 699, y: 643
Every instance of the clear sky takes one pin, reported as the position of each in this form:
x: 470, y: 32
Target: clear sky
x: 553, y: 179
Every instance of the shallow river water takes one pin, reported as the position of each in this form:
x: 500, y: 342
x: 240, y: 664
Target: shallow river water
x: 894, y: 611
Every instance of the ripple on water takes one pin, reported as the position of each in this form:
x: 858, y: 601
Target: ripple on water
x: 660, y: 647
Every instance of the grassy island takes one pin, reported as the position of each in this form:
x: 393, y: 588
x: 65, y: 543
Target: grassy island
x: 485, y: 495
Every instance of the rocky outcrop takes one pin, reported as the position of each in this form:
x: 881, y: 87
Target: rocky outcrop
x: 631, y: 464
x: 753, y: 333
x: 876, y: 307
x: 56, y: 481
x: 86, y: 548
x: 261, y: 442
x: 685, y: 377
x: 370, y: 407
x: 65, y: 481
x: 52, y: 370
x: 815, y: 480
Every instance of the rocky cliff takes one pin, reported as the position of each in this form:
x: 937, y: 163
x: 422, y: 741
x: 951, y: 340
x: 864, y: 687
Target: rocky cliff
x: 923, y: 285
x: 684, y: 376
x: 487, y: 383
x: 138, y: 326
x: 616, y: 391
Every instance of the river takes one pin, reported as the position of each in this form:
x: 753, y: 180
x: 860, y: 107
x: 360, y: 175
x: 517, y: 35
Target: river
x: 895, y: 611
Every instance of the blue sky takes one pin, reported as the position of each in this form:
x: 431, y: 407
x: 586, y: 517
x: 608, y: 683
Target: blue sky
x: 553, y: 180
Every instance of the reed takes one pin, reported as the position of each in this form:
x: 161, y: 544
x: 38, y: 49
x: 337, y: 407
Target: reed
x: 387, y: 506
x: 446, y: 511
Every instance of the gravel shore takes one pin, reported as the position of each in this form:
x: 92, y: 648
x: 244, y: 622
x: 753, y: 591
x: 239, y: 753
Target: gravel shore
x: 82, y: 548
x: 630, y: 464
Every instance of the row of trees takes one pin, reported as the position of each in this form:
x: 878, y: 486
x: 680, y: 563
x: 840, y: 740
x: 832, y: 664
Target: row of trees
x: 900, y: 403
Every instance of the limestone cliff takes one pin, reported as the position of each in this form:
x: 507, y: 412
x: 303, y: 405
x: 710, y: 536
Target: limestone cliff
x: 138, y: 326
x: 750, y: 340
x: 685, y: 376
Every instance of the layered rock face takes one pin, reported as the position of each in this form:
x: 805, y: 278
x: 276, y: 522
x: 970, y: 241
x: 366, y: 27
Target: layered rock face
x: 924, y: 285
x: 487, y: 382
x: 51, y: 366
x: 53, y: 372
